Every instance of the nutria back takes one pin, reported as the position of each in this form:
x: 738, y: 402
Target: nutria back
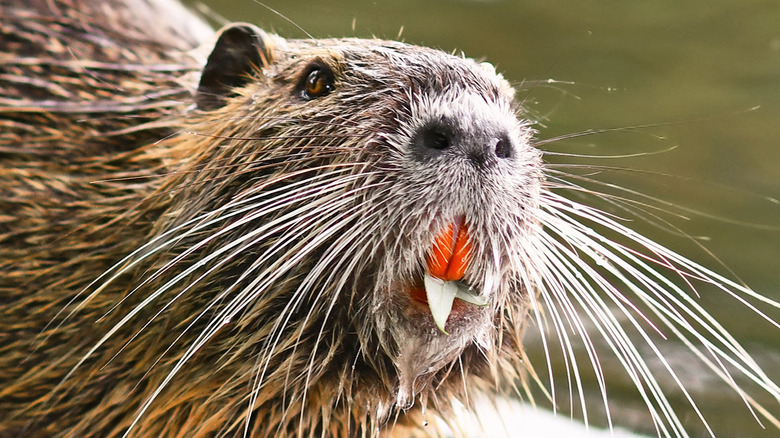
x: 83, y: 88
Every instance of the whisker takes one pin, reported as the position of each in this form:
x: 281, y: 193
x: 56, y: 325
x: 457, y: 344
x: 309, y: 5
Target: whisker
x: 237, y: 303
x: 670, y: 304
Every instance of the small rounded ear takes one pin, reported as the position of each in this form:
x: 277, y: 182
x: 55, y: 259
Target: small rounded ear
x: 240, y: 51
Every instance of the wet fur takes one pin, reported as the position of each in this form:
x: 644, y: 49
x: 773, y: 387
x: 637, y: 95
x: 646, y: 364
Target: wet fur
x: 175, y: 265
x: 301, y: 327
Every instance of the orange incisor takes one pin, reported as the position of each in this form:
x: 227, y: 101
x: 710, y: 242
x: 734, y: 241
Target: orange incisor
x: 451, y: 252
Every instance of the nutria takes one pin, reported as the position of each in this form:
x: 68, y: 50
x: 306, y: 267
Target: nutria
x: 217, y: 235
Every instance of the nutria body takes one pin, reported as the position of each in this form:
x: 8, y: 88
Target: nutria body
x: 210, y: 242
x: 281, y: 224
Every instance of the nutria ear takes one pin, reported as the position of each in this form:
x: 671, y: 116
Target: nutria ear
x: 240, y: 51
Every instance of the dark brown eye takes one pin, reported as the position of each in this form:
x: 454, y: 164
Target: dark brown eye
x: 318, y: 83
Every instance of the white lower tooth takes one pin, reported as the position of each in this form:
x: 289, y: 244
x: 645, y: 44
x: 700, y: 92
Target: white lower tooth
x: 440, y: 295
x: 469, y: 295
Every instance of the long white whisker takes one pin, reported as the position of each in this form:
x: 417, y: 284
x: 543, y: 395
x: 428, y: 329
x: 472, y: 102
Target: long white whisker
x: 670, y: 304
x: 239, y: 302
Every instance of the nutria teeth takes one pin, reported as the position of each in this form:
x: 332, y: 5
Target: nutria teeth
x: 441, y: 295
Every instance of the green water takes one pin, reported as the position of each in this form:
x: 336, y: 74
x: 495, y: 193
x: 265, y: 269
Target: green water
x: 707, y: 73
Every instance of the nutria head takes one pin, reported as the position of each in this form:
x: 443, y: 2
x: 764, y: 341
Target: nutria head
x: 302, y: 225
x: 326, y: 233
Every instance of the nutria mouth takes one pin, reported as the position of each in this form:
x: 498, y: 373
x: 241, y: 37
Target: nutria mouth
x: 240, y: 234
x: 441, y: 289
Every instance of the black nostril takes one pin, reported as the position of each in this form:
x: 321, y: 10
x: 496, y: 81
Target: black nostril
x: 503, y: 147
x: 435, y: 138
x: 482, y: 145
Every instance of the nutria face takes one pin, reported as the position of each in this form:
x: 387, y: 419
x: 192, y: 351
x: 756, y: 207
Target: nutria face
x: 390, y: 144
x: 449, y: 148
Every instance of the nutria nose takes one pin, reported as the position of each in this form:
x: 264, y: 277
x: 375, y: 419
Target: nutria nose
x: 483, y: 147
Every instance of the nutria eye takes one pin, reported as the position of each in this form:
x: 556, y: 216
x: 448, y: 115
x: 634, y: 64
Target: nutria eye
x: 318, y: 83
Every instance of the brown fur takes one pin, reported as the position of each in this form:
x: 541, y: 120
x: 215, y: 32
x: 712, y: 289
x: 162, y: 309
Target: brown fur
x: 101, y: 150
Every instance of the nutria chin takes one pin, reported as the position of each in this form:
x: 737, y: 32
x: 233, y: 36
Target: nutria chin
x: 217, y: 235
